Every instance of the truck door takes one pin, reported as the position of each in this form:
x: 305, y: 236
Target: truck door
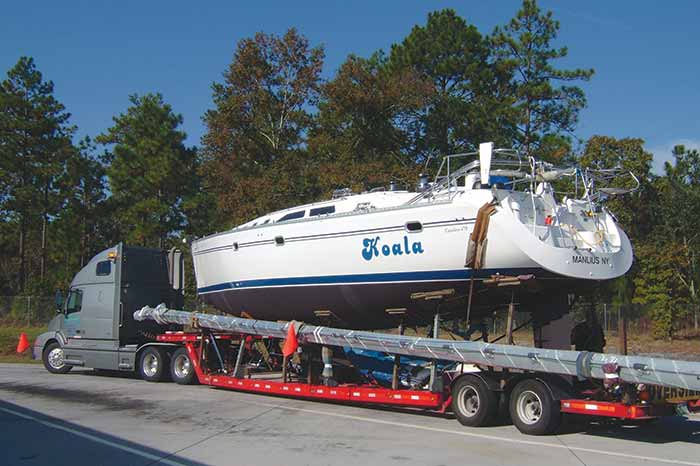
x: 89, y: 322
x: 71, y: 321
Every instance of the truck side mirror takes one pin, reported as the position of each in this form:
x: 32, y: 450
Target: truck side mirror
x: 59, y: 301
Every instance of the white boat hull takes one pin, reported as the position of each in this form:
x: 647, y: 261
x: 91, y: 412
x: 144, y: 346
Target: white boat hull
x: 360, y: 266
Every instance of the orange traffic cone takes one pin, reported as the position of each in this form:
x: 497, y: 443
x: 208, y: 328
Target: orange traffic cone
x: 23, y: 344
x: 290, y: 344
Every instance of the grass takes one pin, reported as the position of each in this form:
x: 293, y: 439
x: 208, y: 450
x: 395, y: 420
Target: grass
x: 683, y: 346
x: 9, y: 337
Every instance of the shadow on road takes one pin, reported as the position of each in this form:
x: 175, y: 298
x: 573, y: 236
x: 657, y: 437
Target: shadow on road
x: 674, y: 429
x: 32, y: 438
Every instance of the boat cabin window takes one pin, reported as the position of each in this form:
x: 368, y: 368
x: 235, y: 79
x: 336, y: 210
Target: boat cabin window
x: 292, y: 216
x: 322, y: 211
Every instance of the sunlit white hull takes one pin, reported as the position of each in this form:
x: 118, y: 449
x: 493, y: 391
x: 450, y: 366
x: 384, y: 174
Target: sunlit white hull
x: 359, y: 266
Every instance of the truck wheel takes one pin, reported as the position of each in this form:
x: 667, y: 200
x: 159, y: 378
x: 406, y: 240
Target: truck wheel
x: 181, y: 368
x: 53, y: 358
x: 473, y: 402
x: 533, y: 409
x: 153, y: 366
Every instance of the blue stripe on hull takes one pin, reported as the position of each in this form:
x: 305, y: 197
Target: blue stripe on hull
x: 434, y: 275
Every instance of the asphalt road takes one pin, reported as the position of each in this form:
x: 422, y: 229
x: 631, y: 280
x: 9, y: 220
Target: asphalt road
x: 88, y: 418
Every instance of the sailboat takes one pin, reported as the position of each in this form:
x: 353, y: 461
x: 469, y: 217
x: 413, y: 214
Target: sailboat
x: 489, y: 229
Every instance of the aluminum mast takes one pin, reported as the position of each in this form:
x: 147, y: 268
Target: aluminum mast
x: 633, y: 369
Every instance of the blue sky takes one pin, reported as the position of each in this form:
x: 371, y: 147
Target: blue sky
x: 647, y: 81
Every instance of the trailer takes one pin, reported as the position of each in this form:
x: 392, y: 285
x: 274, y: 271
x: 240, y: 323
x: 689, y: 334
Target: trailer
x: 107, y: 322
x: 534, y: 400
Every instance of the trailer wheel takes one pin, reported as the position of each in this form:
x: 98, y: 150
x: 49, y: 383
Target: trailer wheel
x: 53, y: 358
x: 473, y: 402
x: 153, y: 366
x: 533, y: 409
x: 181, y: 368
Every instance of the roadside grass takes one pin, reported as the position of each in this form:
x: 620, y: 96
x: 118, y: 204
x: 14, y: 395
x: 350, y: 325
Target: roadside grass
x: 9, y: 337
x: 682, y: 346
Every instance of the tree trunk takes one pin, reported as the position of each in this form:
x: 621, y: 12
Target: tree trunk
x: 527, y: 130
x: 22, y: 265
x: 84, y: 241
x: 44, y: 226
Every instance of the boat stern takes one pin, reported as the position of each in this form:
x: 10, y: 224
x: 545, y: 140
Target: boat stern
x: 574, y: 238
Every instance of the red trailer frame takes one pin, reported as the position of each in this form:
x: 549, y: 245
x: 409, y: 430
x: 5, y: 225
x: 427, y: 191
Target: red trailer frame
x: 376, y: 395
x: 371, y: 394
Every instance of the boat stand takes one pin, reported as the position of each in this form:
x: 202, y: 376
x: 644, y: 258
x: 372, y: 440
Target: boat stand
x: 435, y: 385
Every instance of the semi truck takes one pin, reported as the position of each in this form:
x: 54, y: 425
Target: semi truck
x: 94, y: 325
x: 106, y: 321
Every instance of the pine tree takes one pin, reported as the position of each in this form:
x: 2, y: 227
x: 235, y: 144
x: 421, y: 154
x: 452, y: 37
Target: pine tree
x: 546, y: 106
x: 150, y: 171
x: 35, y: 143
x: 84, y: 222
x: 466, y: 106
x: 679, y: 206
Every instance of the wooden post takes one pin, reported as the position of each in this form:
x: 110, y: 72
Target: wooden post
x: 397, y: 365
x: 605, y: 317
x: 622, y: 331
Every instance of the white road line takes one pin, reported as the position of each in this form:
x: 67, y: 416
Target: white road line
x: 482, y: 436
x: 156, y: 458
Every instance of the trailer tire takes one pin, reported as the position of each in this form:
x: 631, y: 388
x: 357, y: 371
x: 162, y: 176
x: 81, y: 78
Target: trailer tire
x: 153, y: 366
x: 53, y: 357
x: 533, y: 409
x: 473, y: 402
x: 181, y: 368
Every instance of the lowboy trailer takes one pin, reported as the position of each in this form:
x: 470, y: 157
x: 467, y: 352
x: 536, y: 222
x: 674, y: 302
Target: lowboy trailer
x: 106, y: 323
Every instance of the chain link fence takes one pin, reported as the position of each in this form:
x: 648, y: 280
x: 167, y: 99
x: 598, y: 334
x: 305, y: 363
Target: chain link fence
x: 27, y: 310
x: 37, y: 311
x: 638, y: 318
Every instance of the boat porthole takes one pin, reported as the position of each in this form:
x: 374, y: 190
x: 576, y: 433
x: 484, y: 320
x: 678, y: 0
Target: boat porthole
x: 235, y: 246
x: 413, y: 227
x: 279, y: 240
